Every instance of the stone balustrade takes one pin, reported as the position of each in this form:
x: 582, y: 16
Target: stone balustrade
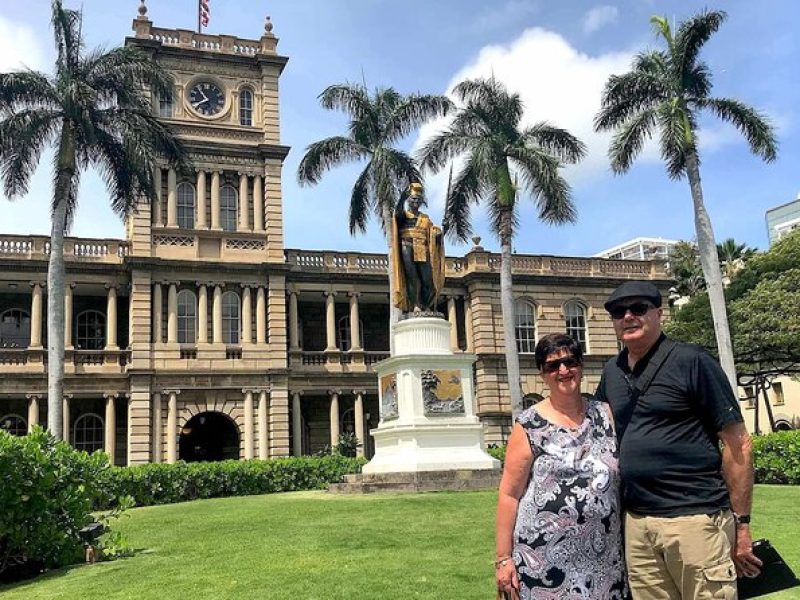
x: 37, y: 247
x: 223, y: 44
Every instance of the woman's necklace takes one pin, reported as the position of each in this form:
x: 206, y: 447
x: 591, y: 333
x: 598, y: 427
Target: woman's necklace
x: 572, y: 422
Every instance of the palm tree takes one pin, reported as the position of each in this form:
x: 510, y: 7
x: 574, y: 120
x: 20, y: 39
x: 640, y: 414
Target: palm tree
x: 732, y: 256
x: 500, y: 155
x: 95, y: 111
x: 685, y: 269
x: 377, y: 124
x: 666, y: 90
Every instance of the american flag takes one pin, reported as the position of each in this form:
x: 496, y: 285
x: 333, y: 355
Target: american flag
x: 205, y: 12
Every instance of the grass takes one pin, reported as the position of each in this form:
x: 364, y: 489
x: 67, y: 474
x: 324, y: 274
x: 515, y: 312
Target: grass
x: 312, y: 545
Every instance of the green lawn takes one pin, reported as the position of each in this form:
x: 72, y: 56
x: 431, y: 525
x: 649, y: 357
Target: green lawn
x: 311, y: 545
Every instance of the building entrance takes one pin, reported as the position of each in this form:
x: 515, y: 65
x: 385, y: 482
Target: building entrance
x: 209, y: 436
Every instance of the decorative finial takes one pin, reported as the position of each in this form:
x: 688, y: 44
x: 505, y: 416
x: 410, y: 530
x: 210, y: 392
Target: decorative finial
x: 142, y: 10
x: 476, y: 240
x: 267, y: 26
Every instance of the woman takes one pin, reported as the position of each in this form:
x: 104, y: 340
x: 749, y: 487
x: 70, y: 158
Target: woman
x: 558, y: 518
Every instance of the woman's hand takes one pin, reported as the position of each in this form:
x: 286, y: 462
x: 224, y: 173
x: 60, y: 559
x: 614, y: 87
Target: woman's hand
x: 507, y: 581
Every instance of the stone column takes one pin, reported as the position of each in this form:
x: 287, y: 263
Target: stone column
x: 68, y: 316
x: 248, y: 424
x: 65, y: 420
x: 244, y: 204
x: 202, y: 314
x: 468, y: 331
x: 111, y: 427
x: 294, y: 323
x: 111, y: 318
x: 247, y: 316
x: 334, y: 417
x: 263, y: 419
x: 261, y: 317
x: 215, y: 200
x: 258, y: 204
x: 36, y: 316
x: 172, y: 426
x: 451, y: 317
x: 200, y: 215
x: 355, y: 323
x: 157, y: 431
x: 33, y: 411
x: 297, y: 425
x: 172, y: 198
x: 158, y: 219
x: 216, y: 310
x: 158, y: 300
x: 359, y: 414
x: 172, y: 314
x: 330, y: 321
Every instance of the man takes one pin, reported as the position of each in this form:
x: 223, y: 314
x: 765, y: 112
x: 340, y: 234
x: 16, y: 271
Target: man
x: 687, y: 523
x: 418, y: 255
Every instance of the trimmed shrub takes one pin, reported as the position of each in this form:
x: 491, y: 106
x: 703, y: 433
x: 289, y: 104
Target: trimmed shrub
x: 776, y: 457
x: 47, y: 494
x: 498, y: 452
x: 180, y: 482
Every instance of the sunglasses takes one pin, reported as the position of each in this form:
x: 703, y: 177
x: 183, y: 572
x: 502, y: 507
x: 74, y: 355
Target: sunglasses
x: 551, y: 366
x: 637, y: 309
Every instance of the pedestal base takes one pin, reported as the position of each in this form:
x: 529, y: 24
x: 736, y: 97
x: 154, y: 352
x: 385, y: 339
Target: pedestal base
x: 425, y: 481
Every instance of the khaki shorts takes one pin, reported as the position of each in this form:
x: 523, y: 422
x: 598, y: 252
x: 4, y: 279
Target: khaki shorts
x: 674, y: 558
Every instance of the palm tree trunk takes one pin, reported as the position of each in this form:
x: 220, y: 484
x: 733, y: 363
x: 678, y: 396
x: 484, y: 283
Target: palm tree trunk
x: 394, y: 312
x: 507, y: 305
x: 55, y: 285
x: 709, y: 260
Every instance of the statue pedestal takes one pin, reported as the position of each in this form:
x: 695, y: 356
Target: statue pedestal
x: 427, y: 403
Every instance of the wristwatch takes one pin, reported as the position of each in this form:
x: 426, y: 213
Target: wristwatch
x: 741, y: 519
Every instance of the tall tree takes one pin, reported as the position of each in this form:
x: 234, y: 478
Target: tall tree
x: 377, y: 124
x: 685, y: 269
x: 732, y: 256
x: 500, y: 156
x: 96, y: 111
x: 666, y: 90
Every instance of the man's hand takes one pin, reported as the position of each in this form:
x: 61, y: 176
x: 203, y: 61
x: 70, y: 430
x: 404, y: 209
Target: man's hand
x: 747, y: 563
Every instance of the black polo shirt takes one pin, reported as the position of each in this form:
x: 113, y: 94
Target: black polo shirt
x: 670, y: 459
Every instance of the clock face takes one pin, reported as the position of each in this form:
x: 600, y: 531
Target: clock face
x: 206, y: 98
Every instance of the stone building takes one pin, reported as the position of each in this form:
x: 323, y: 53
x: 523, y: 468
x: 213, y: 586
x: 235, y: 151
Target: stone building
x: 201, y: 337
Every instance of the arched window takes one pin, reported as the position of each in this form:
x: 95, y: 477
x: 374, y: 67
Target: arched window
x: 525, y: 325
x: 575, y: 322
x: 347, y: 423
x: 227, y: 208
x: 186, y: 205
x: 165, y: 106
x: 15, y: 329
x: 88, y: 433
x: 14, y: 424
x: 343, y: 333
x: 90, y: 330
x: 231, y: 318
x: 246, y: 107
x: 187, y: 317
x: 529, y: 400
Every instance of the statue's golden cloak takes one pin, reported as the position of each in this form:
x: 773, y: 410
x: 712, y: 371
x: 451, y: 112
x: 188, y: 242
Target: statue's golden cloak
x: 428, y: 246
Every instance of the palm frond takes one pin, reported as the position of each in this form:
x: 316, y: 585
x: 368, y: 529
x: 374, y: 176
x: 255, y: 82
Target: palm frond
x: 697, y: 81
x: 413, y: 112
x: 66, y: 30
x: 541, y: 178
x: 504, y: 219
x: 117, y: 75
x: 676, y: 137
x: 465, y: 191
x: 330, y: 152
x: 493, y: 97
x: 360, y: 201
x: 626, y: 95
x: 692, y: 35
x: 350, y: 98
x: 23, y: 137
x: 556, y: 141
x: 27, y: 89
x: 442, y: 148
x: 754, y: 126
x: 628, y: 142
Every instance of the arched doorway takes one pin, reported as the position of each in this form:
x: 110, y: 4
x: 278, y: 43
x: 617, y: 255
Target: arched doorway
x: 209, y: 436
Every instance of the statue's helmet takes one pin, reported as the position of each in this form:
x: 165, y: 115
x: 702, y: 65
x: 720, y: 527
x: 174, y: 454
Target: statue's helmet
x: 415, y: 190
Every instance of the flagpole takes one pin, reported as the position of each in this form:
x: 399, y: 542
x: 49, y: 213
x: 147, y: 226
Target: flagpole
x: 199, y: 16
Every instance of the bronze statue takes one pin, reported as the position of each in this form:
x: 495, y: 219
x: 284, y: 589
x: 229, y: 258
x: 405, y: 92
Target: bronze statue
x: 418, y: 255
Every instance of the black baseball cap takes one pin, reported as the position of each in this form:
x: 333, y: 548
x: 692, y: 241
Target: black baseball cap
x: 634, y: 289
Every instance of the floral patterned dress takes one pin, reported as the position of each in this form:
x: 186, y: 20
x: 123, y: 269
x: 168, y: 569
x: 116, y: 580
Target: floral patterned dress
x: 567, y: 538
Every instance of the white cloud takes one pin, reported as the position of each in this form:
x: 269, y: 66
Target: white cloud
x: 19, y: 47
x: 599, y: 17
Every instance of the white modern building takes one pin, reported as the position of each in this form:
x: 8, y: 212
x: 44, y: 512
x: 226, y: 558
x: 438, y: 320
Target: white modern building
x: 640, y: 248
x: 783, y: 219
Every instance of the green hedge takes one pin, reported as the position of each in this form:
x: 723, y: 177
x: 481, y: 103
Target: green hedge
x: 164, y: 484
x: 777, y: 457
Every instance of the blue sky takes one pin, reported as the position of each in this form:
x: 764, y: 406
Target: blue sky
x: 556, y: 55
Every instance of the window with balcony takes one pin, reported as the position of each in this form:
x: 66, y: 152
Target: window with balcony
x: 88, y: 433
x: 246, y: 107
x: 186, y: 205
x: 165, y: 106
x: 343, y: 333
x: 187, y: 317
x: 14, y: 424
x: 525, y: 325
x: 15, y: 329
x: 231, y: 318
x: 90, y: 330
x: 227, y: 208
x: 575, y: 323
